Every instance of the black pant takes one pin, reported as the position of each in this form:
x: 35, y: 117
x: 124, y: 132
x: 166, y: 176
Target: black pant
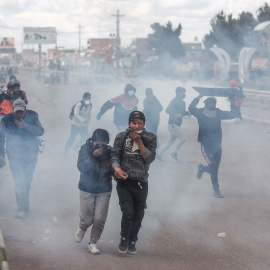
x: 22, y: 172
x: 74, y: 131
x: 212, y: 155
x: 132, y: 199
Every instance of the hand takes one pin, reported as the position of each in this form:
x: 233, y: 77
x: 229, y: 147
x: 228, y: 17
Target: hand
x: 120, y: 174
x: 135, y: 137
x: 98, y: 152
x: 179, y: 115
x: 20, y: 124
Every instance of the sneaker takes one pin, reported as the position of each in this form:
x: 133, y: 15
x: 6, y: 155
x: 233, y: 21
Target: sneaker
x: 131, y: 248
x: 21, y: 215
x: 123, y: 245
x: 174, y: 156
x: 200, y: 172
x: 159, y: 157
x: 93, y: 249
x: 79, y: 235
x: 217, y: 194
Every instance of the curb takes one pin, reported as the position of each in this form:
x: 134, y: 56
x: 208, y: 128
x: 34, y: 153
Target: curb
x: 3, y: 255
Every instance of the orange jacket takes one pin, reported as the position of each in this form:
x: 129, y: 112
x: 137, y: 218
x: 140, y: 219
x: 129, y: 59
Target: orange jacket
x: 7, y: 107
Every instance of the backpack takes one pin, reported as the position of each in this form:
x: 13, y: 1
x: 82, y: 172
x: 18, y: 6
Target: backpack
x: 71, y: 115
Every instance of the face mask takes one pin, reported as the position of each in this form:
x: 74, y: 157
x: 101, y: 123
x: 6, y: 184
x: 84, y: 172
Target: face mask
x: 86, y: 102
x: 130, y: 93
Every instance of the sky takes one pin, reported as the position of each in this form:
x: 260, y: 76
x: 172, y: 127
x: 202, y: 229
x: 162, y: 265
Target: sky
x: 97, y: 22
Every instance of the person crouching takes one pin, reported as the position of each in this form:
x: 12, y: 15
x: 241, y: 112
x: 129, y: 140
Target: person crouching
x: 95, y: 187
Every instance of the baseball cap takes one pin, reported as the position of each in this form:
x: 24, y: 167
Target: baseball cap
x: 136, y: 115
x: 19, y: 105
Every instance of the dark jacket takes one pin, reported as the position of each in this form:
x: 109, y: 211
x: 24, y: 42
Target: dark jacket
x: 135, y: 164
x: 21, y: 143
x: 176, y: 106
x: 152, y: 109
x: 96, y: 172
x: 4, y: 96
x: 210, y: 132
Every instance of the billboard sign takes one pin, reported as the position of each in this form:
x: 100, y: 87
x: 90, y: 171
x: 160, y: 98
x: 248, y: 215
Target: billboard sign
x: 7, y: 42
x: 39, y: 35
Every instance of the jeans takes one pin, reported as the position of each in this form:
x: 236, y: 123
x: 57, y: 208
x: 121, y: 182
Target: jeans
x: 22, y: 172
x: 93, y: 211
x: 175, y: 132
x: 74, y: 131
x: 212, y: 155
x: 132, y: 199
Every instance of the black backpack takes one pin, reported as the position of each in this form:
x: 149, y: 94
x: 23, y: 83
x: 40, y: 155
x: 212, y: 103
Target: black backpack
x: 71, y: 115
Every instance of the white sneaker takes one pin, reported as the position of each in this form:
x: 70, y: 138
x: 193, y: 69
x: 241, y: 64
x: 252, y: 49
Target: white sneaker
x: 93, y: 249
x: 79, y: 235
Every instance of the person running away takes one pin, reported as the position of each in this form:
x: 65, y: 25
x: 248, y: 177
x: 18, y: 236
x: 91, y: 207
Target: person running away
x: 80, y: 122
x: 6, y: 101
x: 124, y: 104
x: 19, y: 133
x: 95, y: 187
x: 210, y: 136
x: 152, y: 108
x: 176, y: 111
x: 133, y: 152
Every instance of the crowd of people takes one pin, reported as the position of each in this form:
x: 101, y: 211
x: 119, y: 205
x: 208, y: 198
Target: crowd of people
x: 128, y: 161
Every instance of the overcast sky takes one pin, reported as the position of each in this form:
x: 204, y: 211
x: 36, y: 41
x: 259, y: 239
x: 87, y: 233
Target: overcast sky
x: 95, y: 17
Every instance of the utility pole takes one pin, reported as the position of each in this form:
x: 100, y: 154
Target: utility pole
x: 80, y: 27
x: 117, y: 39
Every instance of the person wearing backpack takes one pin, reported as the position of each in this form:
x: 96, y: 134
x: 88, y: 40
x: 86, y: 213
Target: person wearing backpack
x: 80, y: 119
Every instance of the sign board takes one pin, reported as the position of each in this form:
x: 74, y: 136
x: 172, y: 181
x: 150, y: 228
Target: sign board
x: 39, y: 35
x: 7, y: 42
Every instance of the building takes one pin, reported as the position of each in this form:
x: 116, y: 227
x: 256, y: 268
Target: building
x: 102, y: 48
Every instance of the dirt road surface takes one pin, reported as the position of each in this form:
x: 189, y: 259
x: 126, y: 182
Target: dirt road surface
x: 182, y: 219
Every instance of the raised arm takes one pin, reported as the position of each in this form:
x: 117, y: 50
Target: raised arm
x: 192, y: 106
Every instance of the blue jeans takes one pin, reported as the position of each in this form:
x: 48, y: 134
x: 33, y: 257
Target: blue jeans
x: 22, y: 173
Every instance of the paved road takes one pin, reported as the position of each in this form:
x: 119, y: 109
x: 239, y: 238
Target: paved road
x: 182, y: 219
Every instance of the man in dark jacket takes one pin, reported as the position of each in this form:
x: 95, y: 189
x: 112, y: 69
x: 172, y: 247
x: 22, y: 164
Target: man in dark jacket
x: 152, y: 109
x: 210, y: 136
x: 124, y: 104
x: 133, y: 152
x: 176, y: 111
x: 94, y: 164
x: 19, y: 131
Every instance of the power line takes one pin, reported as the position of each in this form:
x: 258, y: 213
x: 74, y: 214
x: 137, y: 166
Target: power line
x: 86, y: 32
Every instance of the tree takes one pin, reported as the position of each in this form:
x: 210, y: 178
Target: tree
x: 263, y: 13
x: 166, y: 40
x: 228, y: 33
